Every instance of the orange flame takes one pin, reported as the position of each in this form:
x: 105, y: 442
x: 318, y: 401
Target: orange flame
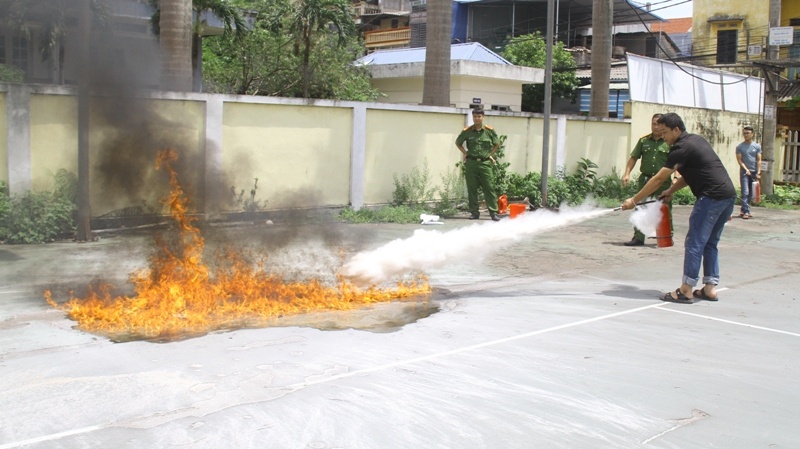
x: 179, y: 297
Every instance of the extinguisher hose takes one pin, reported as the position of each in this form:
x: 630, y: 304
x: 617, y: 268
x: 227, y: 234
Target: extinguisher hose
x: 638, y: 204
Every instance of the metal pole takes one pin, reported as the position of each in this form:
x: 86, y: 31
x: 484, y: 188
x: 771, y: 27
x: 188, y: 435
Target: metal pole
x: 771, y: 87
x: 548, y: 89
x: 84, y: 229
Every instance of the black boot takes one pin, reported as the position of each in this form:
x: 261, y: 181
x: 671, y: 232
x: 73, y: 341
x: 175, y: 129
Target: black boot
x: 494, y: 216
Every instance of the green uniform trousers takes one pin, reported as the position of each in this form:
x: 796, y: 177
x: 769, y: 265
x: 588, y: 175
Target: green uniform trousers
x: 637, y: 234
x: 480, y: 174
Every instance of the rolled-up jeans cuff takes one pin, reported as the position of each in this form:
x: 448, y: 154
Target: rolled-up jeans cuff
x: 690, y: 281
x: 711, y: 280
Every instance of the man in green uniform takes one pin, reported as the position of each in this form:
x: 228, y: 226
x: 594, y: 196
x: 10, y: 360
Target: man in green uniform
x: 482, y: 142
x: 653, y: 151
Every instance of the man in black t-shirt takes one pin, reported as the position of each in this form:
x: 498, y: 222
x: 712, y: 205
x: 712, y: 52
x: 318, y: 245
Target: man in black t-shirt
x: 702, y: 170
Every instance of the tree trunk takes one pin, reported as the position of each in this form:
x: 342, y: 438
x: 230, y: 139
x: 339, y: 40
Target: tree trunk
x: 436, y: 84
x: 306, y: 63
x: 602, y: 23
x: 176, y: 44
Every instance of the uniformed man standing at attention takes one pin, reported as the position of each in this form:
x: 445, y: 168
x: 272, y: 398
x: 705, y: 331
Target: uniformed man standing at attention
x: 653, y: 151
x: 482, y: 142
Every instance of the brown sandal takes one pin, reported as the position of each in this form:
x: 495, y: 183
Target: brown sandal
x: 700, y: 293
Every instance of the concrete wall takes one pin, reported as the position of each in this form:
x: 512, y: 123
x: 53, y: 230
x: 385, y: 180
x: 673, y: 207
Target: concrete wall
x: 722, y: 130
x: 305, y: 153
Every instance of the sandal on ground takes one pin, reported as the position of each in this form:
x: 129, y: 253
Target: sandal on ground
x: 678, y: 298
x: 747, y: 216
x: 700, y: 293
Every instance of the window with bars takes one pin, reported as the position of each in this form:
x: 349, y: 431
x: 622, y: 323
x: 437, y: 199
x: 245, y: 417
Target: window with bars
x: 727, y: 41
x: 19, y: 53
x: 794, y: 53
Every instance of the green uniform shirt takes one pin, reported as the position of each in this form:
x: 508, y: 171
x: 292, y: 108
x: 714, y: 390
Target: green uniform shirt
x: 479, y: 143
x: 653, y: 154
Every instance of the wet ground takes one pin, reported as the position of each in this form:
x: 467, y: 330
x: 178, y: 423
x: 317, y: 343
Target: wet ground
x: 556, y: 341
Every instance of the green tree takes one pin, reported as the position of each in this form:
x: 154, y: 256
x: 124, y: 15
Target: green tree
x: 529, y: 51
x: 269, y: 60
x: 311, y: 20
x: 45, y: 21
x: 233, y: 26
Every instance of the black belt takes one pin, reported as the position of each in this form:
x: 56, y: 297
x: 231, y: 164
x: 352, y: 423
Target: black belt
x: 479, y: 159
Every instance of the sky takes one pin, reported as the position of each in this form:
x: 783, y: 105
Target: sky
x: 669, y: 9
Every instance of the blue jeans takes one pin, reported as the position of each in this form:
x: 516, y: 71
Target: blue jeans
x: 706, y: 223
x: 747, y: 191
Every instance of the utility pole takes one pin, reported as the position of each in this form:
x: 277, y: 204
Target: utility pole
x: 771, y: 87
x: 84, y: 231
x: 548, y: 99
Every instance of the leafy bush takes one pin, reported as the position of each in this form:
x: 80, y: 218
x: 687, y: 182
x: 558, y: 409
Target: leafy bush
x: 11, y: 74
x: 683, y: 196
x: 451, y: 194
x: 413, y: 189
x: 389, y: 214
x: 39, y: 217
x: 783, y: 195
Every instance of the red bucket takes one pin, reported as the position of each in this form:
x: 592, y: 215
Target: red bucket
x: 517, y: 209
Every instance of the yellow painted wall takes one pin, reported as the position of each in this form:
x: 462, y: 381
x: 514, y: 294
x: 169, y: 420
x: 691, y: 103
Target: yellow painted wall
x: 300, y: 154
x: 606, y: 143
x: 54, y: 137
x: 723, y: 130
x: 398, y: 141
x: 704, y: 36
x: 123, y: 142
x: 3, y: 139
x: 790, y: 9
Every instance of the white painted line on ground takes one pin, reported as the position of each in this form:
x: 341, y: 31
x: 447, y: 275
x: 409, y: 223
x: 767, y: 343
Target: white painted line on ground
x: 53, y: 436
x: 752, y: 326
x: 13, y: 291
x: 470, y: 348
x: 373, y: 369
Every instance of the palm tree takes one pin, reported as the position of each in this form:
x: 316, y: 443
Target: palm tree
x: 175, y: 26
x: 310, y: 17
x: 436, y: 84
x: 233, y: 25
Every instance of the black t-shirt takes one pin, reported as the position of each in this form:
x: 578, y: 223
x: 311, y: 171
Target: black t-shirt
x: 700, y: 166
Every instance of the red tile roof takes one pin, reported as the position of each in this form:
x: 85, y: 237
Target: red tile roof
x: 682, y: 25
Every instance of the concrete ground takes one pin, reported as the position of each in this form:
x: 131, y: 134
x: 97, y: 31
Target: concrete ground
x: 558, y: 341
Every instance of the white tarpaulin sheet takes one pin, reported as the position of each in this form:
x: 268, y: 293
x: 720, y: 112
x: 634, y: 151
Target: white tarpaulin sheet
x: 659, y: 81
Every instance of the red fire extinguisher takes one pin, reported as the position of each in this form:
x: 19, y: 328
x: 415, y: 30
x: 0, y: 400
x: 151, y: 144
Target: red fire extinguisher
x: 756, y: 192
x: 502, y: 204
x: 664, y: 229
